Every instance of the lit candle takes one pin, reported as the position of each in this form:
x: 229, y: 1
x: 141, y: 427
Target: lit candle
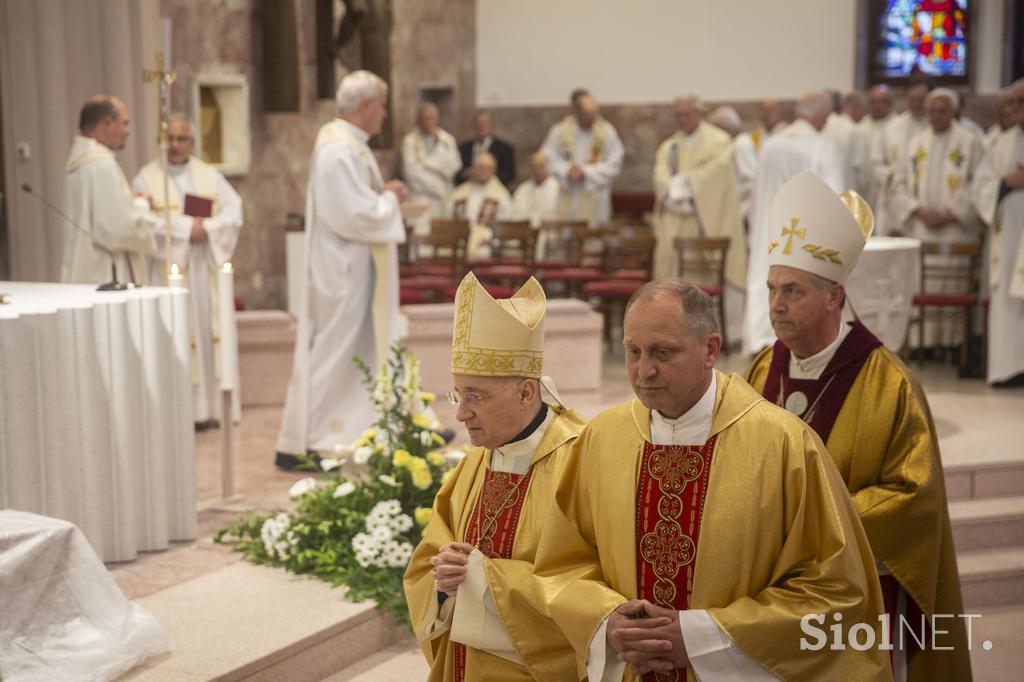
x: 175, y: 278
x: 228, y: 330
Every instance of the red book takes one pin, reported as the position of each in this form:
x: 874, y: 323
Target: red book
x: 197, y: 206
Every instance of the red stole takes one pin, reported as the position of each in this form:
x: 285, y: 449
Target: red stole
x: 492, y: 528
x: 670, y: 495
x: 824, y: 396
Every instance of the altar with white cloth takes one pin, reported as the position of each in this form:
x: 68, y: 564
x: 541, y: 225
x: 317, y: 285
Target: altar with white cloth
x: 96, y: 412
x: 881, y: 288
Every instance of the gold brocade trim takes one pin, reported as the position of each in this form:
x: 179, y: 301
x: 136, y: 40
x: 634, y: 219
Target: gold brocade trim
x: 514, y: 364
x: 823, y: 254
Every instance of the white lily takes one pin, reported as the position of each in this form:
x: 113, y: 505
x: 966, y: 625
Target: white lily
x: 301, y: 487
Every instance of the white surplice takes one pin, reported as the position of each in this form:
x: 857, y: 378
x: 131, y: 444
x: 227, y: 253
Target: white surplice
x: 1003, y: 212
x: 874, y: 130
x: 536, y: 203
x: 854, y: 149
x: 796, y: 149
x: 429, y: 167
x: 347, y: 212
x: 598, y: 174
x: 896, y: 137
x: 200, y: 261
x: 98, y: 199
x: 745, y: 159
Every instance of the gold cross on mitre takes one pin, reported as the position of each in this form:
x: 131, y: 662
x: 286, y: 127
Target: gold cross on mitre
x: 164, y: 78
x: 790, y: 232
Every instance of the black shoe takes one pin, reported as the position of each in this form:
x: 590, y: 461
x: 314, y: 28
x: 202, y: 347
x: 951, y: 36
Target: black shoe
x: 309, y: 461
x: 207, y: 425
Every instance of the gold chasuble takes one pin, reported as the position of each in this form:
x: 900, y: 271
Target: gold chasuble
x: 879, y: 431
x: 568, y: 129
x: 504, y: 515
x: 753, y: 526
x: 714, y: 210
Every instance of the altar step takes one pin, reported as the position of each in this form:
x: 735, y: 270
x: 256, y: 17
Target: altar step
x: 1000, y: 478
x: 246, y: 622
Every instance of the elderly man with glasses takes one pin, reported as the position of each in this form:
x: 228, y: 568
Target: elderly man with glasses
x: 475, y: 604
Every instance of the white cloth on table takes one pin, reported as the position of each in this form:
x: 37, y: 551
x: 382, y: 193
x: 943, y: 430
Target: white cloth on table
x: 96, y: 412
x: 347, y: 212
x: 63, y: 617
x: 97, y: 198
x: 201, y: 261
x: 797, y: 148
x: 880, y: 290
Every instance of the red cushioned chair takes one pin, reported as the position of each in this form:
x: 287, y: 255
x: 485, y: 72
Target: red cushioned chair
x: 949, y: 284
x: 513, y: 246
x: 437, y: 259
x: 630, y: 251
x: 702, y: 263
x: 562, y: 262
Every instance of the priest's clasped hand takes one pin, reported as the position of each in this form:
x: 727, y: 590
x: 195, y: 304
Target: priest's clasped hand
x: 449, y: 566
x: 398, y: 188
x: 647, y: 637
x: 576, y: 173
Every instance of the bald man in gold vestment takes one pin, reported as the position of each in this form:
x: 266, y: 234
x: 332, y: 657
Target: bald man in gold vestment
x: 699, y: 525
x: 873, y: 416
x: 476, y: 607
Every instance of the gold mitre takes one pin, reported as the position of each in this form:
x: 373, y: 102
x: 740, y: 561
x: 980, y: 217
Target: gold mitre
x: 498, y: 338
x: 818, y: 231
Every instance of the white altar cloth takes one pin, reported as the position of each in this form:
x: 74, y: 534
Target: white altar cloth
x: 63, y: 617
x: 96, y: 412
x: 881, y: 287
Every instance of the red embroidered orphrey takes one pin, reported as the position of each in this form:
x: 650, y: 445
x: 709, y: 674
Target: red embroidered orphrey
x: 670, y: 499
x: 492, y: 528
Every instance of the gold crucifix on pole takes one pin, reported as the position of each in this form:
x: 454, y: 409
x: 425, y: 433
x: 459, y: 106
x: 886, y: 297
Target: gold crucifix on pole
x: 164, y: 79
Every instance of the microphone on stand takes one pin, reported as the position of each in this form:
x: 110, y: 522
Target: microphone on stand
x: 113, y: 285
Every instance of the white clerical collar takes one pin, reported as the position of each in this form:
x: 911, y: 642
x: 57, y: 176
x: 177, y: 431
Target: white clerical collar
x: 690, y: 139
x: 358, y: 132
x: 505, y: 458
x: 811, y: 367
x: 177, y: 168
x: 693, y: 427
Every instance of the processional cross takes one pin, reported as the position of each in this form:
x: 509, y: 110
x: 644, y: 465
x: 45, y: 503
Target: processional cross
x: 164, y: 78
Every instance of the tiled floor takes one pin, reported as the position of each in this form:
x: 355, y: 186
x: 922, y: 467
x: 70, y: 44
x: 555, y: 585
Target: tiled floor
x: 975, y: 423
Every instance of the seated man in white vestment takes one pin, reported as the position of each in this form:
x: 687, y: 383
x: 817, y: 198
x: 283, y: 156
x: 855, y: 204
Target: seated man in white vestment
x: 206, y: 216
x: 536, y: 199
x: 430, y: 159
x: 585, y: 156
x: 99, y: 202
x: 799, y: 147
x: 481, y: 200
x: 932, y: 195
x: 999, y: 197
x: 353, y: 227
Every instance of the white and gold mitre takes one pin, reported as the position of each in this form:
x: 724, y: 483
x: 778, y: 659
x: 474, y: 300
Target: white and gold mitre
x: 498, y: 338
x: 812, y: 228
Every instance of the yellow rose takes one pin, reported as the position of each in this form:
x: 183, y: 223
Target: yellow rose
x: 423, y: 515
x: 435, y: 458
x: 417, y: 464
x: 401, y: 458
x: 370, y: 433
x: 427, y: 397
x: 421, y: 420
x: 422, y: 479
x: 438, y: 440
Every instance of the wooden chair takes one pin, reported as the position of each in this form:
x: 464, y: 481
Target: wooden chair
x: 437, y: 259
x: 623, y: 253
x: 949, y: 282
x: 702, y: 263
x: 513, y: 247
x: 561, y: 264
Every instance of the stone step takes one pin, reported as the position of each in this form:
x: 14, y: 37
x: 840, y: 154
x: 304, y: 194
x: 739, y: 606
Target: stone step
x: 992, y: 577
x: 1004, y: 478
x: 987, y: 523
x: 400, y: 662
x: 261, y: 624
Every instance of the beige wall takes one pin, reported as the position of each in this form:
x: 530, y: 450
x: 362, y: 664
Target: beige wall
x: 53, y: 55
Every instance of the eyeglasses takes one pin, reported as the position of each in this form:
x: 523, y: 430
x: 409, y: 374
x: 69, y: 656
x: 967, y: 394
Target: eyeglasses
x: 470, y: 397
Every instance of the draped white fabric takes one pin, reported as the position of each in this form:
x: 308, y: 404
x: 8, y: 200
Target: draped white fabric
x: 881, y: 288
x: 96, y: 412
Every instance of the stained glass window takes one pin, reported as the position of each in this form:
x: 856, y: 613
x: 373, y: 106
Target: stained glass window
x: 922, y: 36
